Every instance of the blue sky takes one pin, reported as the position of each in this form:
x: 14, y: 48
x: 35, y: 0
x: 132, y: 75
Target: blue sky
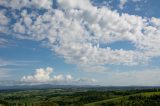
x: 99, y: 42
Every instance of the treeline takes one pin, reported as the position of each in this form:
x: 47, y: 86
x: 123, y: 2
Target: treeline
x: 74, y: 99
x: 29, y: 104
x: 137, y: 100
x: 80, y: 98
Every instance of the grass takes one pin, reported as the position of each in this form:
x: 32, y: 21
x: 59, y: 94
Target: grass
x: 116, y: 99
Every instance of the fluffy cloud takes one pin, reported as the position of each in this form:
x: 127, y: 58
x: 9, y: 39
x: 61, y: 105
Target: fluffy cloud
x: 69, y: 77
x: 44, y: 76
x: 122, y: 3
x: 40, y: 75
x: 18, y: 4
x: 76, y: 31
x: 3, y: 18
x: 75, y: 4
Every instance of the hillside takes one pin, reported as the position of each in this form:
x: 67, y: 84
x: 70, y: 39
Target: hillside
x: 140, y: 99
x: 80, y: 97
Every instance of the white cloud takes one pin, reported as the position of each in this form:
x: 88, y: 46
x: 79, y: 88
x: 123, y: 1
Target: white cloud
x: 44, y: 76
x: 5, y: 62
x: 122, y: 3
x: 3, y: 42
x: 76, y: 29
x: 84, y: 80
x: 41, y: 75
x: 3, y: 19
x: 58, y: 78
x: 75, y: 4
x: 18, y: 27
x: 4, y: 73
x: 18, y: 4
x: 69, y: 77
x: 141, y: 77
x: 43, y: 3
x: 136, y: 0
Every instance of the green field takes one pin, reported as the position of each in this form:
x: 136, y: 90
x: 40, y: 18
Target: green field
x: 80, y: 97
x: 139, y: 99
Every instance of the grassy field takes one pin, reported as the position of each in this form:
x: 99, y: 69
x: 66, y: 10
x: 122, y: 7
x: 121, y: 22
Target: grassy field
x: 119, y: 100
x: 80, y: 97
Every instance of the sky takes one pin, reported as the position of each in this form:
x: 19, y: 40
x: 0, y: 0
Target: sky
x: 80, y: 42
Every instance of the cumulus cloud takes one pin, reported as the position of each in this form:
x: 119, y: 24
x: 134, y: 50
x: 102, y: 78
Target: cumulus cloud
x: 40, y: 75
x: 75, y: 4
x: 76, y: 29
x: 69, y: 77
x: 45, y: 76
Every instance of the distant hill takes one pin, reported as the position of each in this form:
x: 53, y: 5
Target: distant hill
x: 96, y: 87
